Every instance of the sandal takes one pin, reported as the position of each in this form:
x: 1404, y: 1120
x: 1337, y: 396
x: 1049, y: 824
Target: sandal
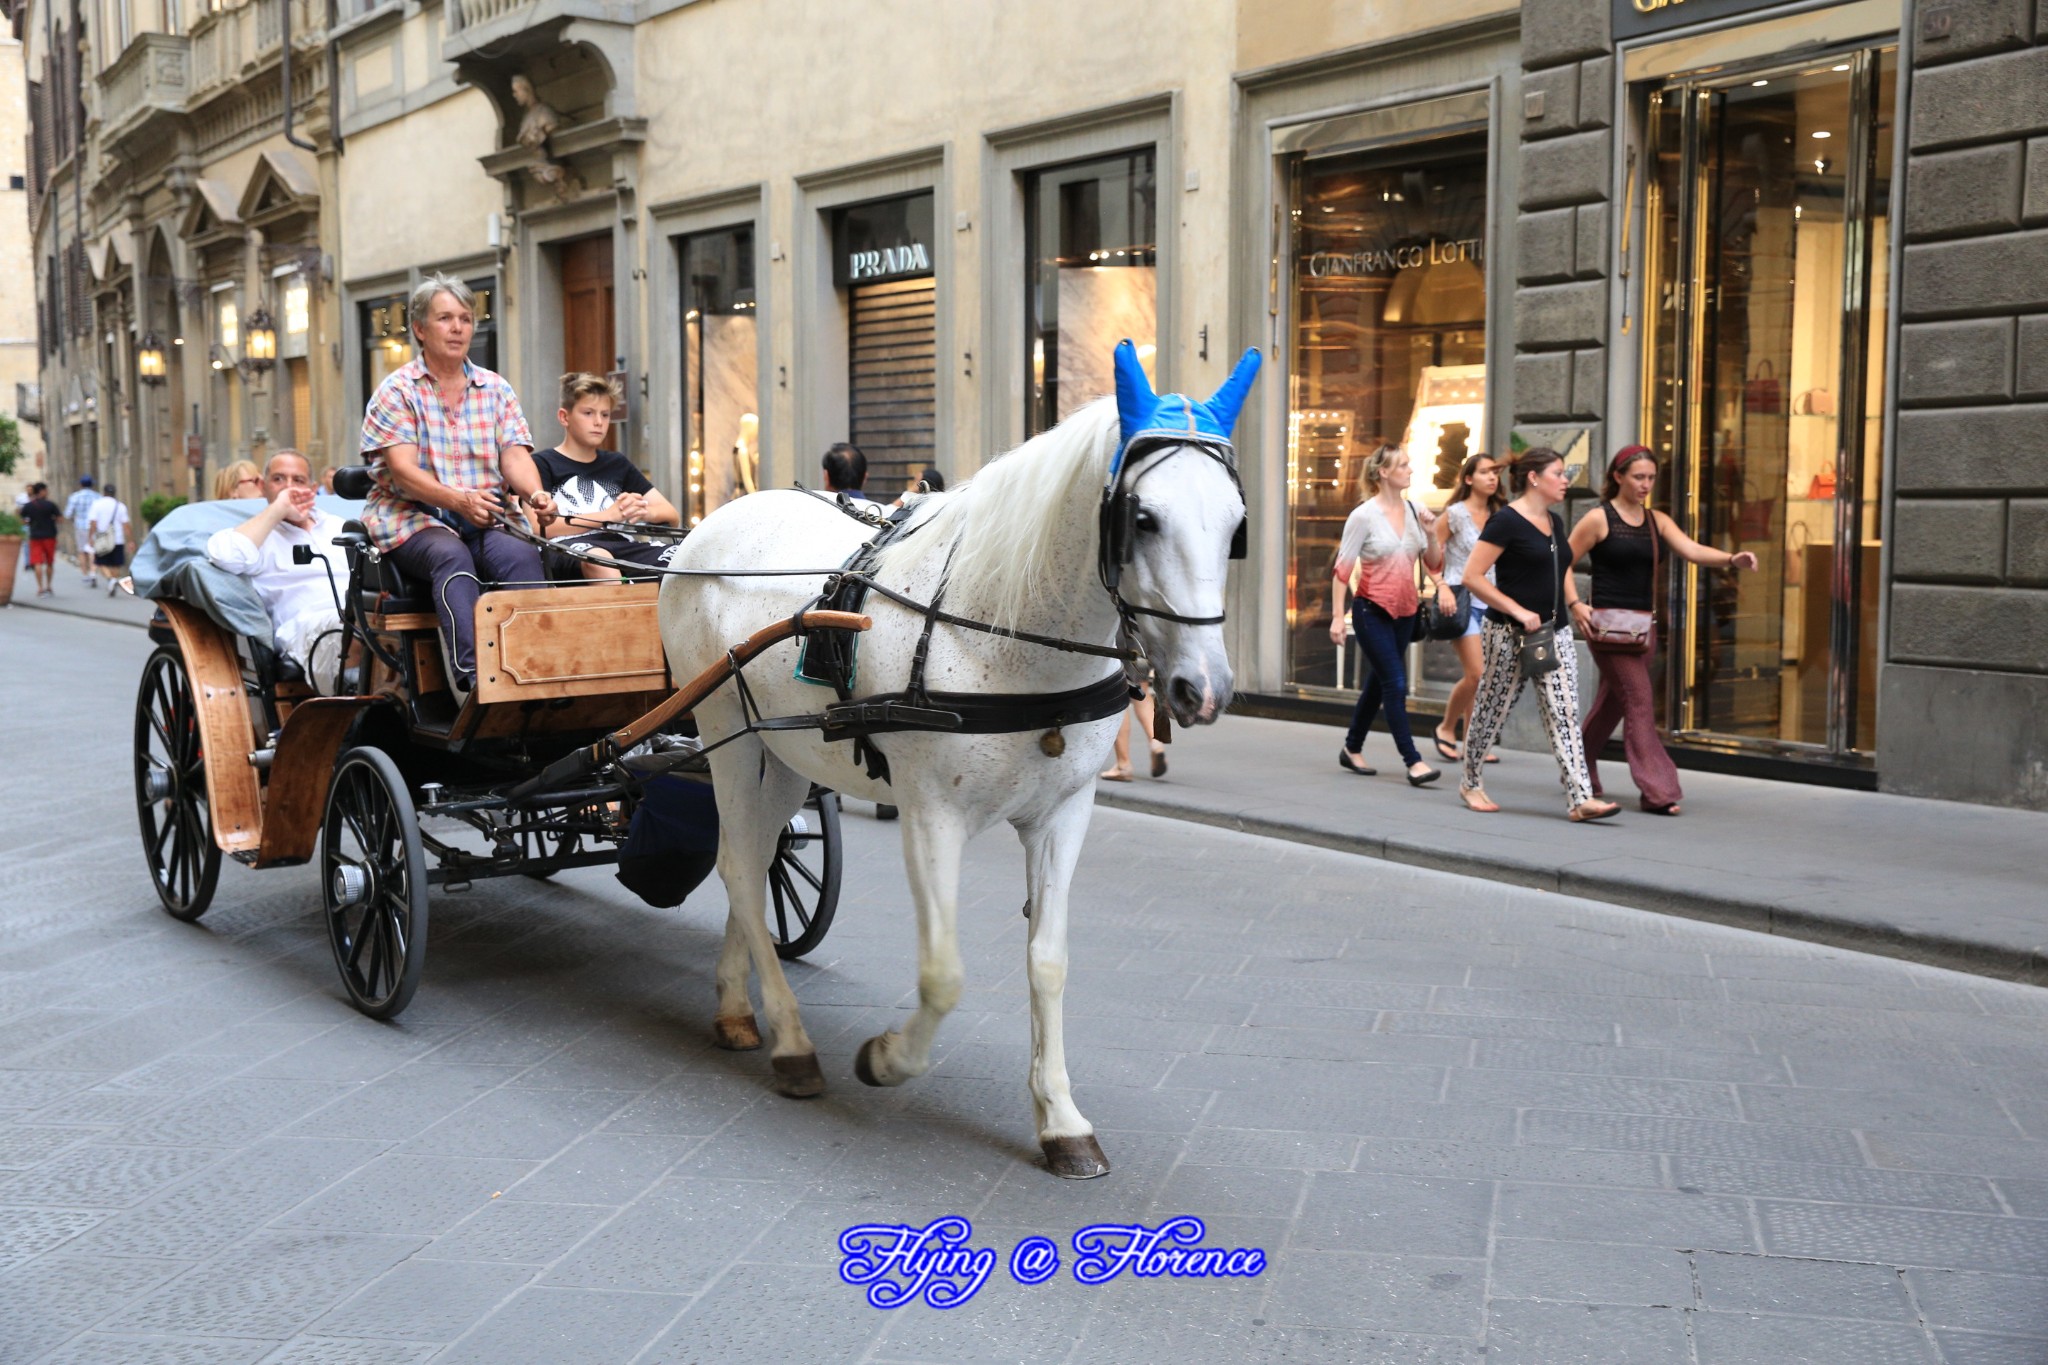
x: 1352, y: 765
x: 1159, y: 763
x: 1476, y: 799
x: 1448, y: 748
x: 1650, y: 808
x: 1115, y: 775
x: 1593, y: 810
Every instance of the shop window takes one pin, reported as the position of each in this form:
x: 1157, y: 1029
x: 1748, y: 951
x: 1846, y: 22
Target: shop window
x: 1388, y: 343
x: 386, y: 342
x: 721, y: 403
x: 1091, y: 244
x: 483, y: 342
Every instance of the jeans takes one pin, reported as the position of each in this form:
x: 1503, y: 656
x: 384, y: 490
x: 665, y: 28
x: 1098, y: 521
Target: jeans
x: 452, y: 563
x: 1384, y: 641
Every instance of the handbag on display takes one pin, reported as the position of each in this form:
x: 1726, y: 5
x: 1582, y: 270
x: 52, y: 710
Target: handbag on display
x: 1753, y: 518
x: 1822, y: 489
x: 1763, y: 393
x: 1624, y: 630
x: 1814, y: 403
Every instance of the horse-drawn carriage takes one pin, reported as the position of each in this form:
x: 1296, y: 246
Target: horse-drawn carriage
x: 399, y: 783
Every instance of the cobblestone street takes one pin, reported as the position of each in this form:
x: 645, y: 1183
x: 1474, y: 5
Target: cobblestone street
x: 1466, y: 1121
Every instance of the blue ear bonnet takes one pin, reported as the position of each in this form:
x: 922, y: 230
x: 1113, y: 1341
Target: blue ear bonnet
x: 1147, y: 418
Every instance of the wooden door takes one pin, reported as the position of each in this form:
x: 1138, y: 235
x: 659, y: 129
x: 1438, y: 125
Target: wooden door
x: 588, y: 301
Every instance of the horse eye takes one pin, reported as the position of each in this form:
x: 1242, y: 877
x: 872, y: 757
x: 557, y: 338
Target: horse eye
x: 1146, y: 522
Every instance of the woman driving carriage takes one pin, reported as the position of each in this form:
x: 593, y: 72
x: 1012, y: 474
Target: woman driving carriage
x: 447, y: 439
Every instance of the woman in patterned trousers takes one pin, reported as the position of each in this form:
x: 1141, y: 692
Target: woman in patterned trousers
x: 1526, y: 546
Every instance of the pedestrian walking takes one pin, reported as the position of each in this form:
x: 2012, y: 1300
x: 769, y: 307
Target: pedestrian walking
x: 42, y: 517
x: 78, y: 511
x: 107, y: 533
x: 1622, y: 538
x: 1531, y: 605
x: 1473, y: 502
x: 1120, y: 771
x: 242, y: 479
x: 1383, y: 538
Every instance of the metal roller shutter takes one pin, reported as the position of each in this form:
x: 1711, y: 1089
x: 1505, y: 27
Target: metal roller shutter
x: 893, y: 351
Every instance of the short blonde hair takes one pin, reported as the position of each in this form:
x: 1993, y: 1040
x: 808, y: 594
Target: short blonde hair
x: 225, y: 481
x: 581, y: 384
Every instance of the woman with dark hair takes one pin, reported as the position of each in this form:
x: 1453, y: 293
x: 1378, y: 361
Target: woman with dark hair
x: 1622, y: 536
x: 1530, y: 587
x: 1473, y: 503
x: 1383, y: 537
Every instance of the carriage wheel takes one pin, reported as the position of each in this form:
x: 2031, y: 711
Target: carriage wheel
x: 170, y: 789
x: 373, y: 881
x: 803, y: 881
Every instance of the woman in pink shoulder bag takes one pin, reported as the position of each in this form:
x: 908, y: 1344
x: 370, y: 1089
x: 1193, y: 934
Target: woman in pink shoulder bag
x: 1622, y: 537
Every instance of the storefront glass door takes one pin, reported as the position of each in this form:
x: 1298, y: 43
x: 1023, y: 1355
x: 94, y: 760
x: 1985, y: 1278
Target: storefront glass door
x: 1767, y: 236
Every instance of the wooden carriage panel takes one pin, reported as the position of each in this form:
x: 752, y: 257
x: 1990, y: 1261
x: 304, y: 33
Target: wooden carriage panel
x: 301, y: 771
x: 539, y: 644
x: 226, y: 736
x: 603, y: 712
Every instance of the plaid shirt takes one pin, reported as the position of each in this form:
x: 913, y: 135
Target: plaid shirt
x: 80, y: 505
x: 459, y: 449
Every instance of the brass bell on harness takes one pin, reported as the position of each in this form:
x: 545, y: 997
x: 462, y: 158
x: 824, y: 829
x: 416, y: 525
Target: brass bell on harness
x: 1052, y: 743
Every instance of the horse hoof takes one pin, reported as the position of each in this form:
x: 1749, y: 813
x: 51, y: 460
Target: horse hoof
x: 798, y: 1077
x: 864, y: 1063
x: 1075, y: 1158
x: 737, y: 1033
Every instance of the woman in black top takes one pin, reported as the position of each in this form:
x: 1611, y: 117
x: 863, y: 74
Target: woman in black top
x: 1622, y: 538
x: 1526, y: 547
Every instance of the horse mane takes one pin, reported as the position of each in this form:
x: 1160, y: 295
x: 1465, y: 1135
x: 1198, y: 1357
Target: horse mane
x: 1011, y: 520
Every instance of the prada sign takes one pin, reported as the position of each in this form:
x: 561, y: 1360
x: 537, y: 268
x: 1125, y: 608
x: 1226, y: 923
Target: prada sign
x: 1633, y: 18
x: 887, y: 239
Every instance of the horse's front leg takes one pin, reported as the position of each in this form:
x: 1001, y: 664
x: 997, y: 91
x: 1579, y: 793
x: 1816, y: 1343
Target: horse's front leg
x: 932, y: 841
x: 1051, y: 848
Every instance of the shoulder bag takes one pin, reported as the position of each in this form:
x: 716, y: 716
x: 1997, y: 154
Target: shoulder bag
x: 1624, y: 630
x: 1432, y: 622
x: 105, y: 538
x: 1539, y: 646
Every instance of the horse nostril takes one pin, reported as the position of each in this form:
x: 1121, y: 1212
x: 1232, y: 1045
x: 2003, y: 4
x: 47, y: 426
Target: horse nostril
x: 1187, y: 698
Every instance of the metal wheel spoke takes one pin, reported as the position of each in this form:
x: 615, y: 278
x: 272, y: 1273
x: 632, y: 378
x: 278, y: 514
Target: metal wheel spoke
x: 781, y: 910
x: 372, y: 931
x: 795, y: 864
x: 358, y: 940
x: 395, y: 916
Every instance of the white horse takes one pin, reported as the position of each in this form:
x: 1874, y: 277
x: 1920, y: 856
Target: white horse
x: 1016, y: 546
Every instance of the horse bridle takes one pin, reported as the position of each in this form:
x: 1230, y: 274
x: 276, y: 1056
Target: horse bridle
x: 1119, y: 523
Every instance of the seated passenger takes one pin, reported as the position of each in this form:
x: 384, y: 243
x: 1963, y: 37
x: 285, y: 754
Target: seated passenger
x: 591, y: 485
x: 305, y: 626
x: 449, y: 444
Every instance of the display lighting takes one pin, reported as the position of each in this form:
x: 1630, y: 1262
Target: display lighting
x: 149, y: 360
x: 260, y: 346
x: 1823, y: 135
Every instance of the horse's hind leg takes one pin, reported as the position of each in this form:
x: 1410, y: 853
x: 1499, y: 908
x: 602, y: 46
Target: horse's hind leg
x: 1051, y: 848
x: 932, y: 840
x: 757, y: 795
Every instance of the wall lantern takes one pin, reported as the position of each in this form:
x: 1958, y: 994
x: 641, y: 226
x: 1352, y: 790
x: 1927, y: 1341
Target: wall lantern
x: 259, y: 341
x: 149, y: 360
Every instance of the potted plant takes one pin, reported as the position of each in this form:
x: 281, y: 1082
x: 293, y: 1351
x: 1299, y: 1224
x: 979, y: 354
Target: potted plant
x: 157, y: 506
x: 11, y: 531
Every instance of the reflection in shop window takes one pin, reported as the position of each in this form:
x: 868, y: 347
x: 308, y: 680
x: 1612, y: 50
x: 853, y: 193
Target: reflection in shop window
x: 386, y: 342
x: 1092, y: 246
x: 720, y: 370
x: 1389, y: 344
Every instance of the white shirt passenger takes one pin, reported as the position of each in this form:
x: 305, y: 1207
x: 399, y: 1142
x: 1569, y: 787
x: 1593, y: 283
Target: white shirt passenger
x: 297, y: 597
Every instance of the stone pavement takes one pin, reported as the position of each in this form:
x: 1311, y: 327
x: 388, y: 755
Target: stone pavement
x: 1930, y: 881
x: 1468, y: 1121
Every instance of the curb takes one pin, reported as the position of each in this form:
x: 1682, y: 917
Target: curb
x: 63, y: 610
x: 2028, y: 966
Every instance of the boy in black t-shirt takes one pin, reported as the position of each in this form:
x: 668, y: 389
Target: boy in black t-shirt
x: 592, y: 485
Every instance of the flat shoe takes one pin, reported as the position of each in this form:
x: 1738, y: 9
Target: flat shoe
x: 1476, y: 799
x: 1594, y: 810
x: 1116, y: 775
x: 1349, y: 764
x: 1423, y: 778
x: 1159, y: 764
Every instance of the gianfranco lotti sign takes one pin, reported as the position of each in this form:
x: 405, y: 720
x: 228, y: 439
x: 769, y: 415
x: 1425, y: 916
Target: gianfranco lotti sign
x: 1634, y: 18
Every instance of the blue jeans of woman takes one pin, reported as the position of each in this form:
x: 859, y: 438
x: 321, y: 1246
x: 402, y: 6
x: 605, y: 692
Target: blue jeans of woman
x: 1384, y: 641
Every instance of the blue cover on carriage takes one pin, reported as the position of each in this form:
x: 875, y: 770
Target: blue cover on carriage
x: 172, y: 563
x: 673, y: 842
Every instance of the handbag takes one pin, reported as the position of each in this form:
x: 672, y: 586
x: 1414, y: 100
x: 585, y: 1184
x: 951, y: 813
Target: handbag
x: 1432, y: 622
x: 1538, y: 650
x: 104, y: 539
x: 1822, y: 489
x: 1763, y: 393
x: 1625, y: 630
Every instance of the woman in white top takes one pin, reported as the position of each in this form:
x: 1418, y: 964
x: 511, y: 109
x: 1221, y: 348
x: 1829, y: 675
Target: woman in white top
x: 1375, y: 569
x: 1457, y: 529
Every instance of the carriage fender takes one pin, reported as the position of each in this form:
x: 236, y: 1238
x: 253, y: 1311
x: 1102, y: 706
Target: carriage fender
x: 300, y: 773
